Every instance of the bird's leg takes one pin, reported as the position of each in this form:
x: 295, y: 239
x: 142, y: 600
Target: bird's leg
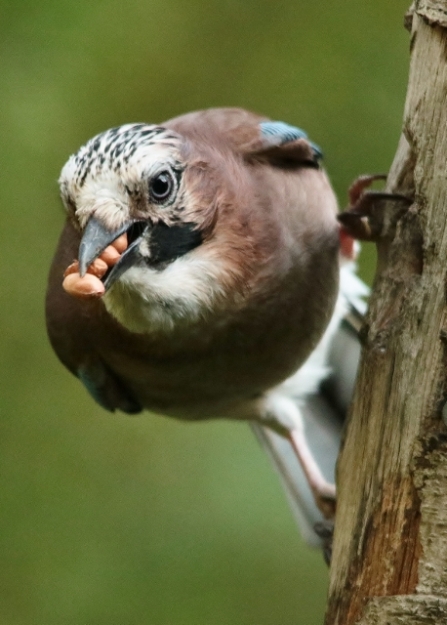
x: 323, y: 491
x: 282, y: 414
x: 368, y: 214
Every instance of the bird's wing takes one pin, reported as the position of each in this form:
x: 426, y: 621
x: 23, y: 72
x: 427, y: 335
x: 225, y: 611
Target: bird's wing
x: 75, y: 329
x: 322, y: 389
x: 251, y: 135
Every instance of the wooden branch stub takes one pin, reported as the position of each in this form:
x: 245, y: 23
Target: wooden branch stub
x: 389, y: 563
x: 434, y: 11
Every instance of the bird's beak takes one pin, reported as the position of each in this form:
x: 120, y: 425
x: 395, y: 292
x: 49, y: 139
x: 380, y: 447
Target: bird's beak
x: 97, y: 237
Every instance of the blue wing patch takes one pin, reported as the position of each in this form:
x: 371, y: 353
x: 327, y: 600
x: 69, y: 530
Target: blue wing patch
x: 280, y: 133
x: 284, y: 132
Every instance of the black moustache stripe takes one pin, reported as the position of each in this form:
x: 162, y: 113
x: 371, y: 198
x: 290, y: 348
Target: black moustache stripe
x: 167, y: 243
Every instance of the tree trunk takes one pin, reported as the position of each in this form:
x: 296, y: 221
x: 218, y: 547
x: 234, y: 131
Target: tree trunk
x: 389, y: 562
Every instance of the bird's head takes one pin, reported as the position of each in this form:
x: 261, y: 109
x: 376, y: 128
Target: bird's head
x: 157, y: 186
x: 223, y: 210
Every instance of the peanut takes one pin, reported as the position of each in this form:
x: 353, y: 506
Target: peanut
x: 110, y: 255
x: 90, y: 285
x: 84, y: 288
x: 98, y: 268
x: 120, y: 243
x: 73, y: 268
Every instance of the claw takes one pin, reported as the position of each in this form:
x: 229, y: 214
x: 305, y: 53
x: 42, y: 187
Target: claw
x: 325, y: 531
x: 364, y: 219
x: 360, y: 184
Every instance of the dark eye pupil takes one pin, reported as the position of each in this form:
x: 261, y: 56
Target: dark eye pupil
x: 161, y: 186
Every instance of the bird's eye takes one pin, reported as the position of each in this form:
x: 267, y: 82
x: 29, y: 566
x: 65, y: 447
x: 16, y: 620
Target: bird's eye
x: 161, y: 187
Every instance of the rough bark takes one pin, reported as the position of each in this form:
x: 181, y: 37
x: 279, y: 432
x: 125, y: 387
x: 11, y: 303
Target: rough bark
x: 389, y: 563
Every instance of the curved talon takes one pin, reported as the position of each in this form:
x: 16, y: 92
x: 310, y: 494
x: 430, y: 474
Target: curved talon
x: 357, y: 188
x: 365, y: 216
x: 325, y: 531
x: 355, y: 225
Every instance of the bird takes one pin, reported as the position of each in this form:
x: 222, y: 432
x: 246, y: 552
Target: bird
x: 222, y: 299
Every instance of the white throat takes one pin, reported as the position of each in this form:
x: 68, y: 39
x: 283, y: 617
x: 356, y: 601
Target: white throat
x: 147, y: 301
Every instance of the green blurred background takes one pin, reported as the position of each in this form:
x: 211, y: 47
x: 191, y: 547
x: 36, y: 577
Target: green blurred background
x: 112, y: 520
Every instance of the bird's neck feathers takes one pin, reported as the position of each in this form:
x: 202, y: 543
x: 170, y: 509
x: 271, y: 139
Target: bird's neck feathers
x: 185, y: 293
x: 211, y: 282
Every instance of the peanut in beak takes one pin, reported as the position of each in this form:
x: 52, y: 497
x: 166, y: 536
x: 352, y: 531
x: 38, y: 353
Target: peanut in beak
x: 90, y: 285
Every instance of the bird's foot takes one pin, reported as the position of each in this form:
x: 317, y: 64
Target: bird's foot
x: 326, y: 499
x: 368, y: 215
x: 325, y: 531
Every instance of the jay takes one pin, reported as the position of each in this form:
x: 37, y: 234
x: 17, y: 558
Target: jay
x: 202, y: 269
